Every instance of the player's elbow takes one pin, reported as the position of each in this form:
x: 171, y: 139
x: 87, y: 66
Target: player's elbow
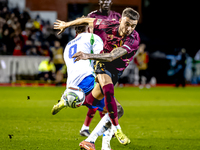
x: 111, y: 59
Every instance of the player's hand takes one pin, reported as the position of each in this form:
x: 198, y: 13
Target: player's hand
x: 61, y: 25
x: 80, y: 55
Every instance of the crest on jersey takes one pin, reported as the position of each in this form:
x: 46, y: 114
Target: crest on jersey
x: 98, y: 21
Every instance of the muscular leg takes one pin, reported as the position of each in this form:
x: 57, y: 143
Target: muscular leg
x: 96, y: 92
x: 108, y: 90
x: 95, y: 96
x: 90, y: 114
x: 85, y: 127
x: 103, y: 125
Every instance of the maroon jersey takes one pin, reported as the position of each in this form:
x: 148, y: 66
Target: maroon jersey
x: 113, y: 40
x: 112, y: 16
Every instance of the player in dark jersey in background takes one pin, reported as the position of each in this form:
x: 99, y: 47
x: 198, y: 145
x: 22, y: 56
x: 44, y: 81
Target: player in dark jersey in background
x: 104, y: 12
x: 120, y: 46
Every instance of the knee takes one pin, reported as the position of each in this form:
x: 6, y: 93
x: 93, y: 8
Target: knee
x: 91, y: 112
x: 108, y: 124
x: 120, y: 111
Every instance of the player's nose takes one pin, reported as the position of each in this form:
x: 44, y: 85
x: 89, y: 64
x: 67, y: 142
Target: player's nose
x: 129, y: 28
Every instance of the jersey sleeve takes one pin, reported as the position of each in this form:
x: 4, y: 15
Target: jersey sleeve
x: 103, y: 24
x: 118, y: 15
x: 98, y: 44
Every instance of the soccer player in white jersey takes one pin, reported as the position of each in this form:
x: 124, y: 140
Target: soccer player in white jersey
x: 81, y: 74
x: 77, y: 71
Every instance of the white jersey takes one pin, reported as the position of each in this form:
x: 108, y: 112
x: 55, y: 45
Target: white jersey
x: 77, y: 71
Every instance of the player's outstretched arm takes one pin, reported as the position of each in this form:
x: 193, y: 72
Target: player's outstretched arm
x: 61, y: 25
x: 105, y: 57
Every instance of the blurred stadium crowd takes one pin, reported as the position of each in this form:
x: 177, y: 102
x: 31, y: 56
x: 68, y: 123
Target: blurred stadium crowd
x: 22, y: 35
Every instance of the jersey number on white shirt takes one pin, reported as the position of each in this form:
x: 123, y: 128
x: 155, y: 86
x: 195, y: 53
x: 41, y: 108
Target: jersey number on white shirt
x: 72, y: 51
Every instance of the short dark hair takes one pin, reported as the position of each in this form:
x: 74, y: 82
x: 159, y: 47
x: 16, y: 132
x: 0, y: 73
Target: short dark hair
x: 131, y: 13
x: 82, y: 27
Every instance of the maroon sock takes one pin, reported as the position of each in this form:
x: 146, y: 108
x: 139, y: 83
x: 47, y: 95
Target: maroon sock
x: 90, y: 114
x: 89, y: 99
x: 110, y: 103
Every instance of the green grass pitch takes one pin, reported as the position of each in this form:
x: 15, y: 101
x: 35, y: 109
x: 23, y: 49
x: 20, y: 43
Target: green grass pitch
x: 161, y: 118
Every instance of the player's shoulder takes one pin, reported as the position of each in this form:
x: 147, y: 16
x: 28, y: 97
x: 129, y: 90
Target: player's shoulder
x: 115, y: 13
x: 107, y: 22
x: 97, y: 38
x: 92, y: 14
x: 84, y: 34
x: 91, y: 36
x: 135, y: 35
x: 133, y: 40
x: 85, y: 37
x: 88, y: 37
x: 76, y: 39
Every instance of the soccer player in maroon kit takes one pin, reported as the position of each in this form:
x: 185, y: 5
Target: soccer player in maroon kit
x: 104, y: 12
x: 120, y: 46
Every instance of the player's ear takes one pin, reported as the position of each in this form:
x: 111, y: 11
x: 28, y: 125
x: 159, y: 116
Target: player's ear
x: 120, y: 19
x: 88, y: 29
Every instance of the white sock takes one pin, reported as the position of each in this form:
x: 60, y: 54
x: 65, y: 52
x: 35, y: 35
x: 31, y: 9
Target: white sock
x: 107, y: 136
x: 99, y: 129
x: 92, y: 137
x: 65, y: 103
x: 84, y: 127
x: 117, y: 127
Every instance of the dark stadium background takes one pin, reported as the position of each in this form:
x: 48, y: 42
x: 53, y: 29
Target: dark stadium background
x: 165, y: 26
x: 168, y: 26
